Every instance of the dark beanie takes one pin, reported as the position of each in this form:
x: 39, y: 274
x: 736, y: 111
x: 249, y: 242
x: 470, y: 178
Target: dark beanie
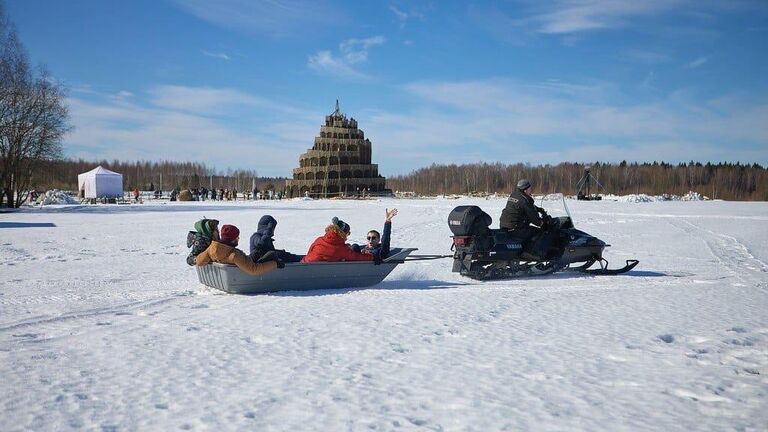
x: 343, y: 226
x: 229, y: 233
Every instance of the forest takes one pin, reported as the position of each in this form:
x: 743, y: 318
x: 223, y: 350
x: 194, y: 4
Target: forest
x: 729, y: 181
x: 145, y: 175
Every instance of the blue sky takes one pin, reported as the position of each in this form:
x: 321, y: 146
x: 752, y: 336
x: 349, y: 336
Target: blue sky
x: 247, y: 83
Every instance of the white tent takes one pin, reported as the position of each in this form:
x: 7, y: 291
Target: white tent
x: 100, y: 183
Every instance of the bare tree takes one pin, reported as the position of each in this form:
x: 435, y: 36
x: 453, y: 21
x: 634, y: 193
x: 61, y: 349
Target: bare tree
x: 33, y: 117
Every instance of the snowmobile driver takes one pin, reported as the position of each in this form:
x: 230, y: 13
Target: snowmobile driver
x: 523, y: 219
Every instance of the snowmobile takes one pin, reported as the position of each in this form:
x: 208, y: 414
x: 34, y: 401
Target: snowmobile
x: 483, y: 253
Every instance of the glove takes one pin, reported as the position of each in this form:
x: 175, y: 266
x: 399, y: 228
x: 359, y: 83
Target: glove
x: 376, y: 259
x: 280, y: 264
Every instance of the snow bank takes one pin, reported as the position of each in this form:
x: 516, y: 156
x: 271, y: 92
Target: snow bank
x: 643, y: 198
x: 632, y: 198
x: 54, y: 196
x: 693, y: 196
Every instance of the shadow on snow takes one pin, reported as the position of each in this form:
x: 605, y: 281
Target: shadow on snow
x: 27, y: 225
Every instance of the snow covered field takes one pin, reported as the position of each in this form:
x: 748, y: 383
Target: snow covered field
x: 103, y: 326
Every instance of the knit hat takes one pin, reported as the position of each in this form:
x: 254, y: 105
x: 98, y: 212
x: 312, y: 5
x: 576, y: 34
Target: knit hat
x: 206, y: 227
x: 229, y: 233
x: 523, y: 184
x: 341, y: 224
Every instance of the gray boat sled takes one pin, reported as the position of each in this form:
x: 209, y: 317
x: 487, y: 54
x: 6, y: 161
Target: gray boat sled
x: 301, y: 276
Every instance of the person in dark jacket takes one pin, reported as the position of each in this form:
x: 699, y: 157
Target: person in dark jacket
x: 332, y: 246
x: 524, y: 220
x: 520, y: 212
x: 206, y: 230
x: 378, y: 244
x: 263, y: 246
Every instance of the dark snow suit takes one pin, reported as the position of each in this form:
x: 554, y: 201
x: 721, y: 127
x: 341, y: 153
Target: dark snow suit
x: 519, y: 215
x: 263, y: 246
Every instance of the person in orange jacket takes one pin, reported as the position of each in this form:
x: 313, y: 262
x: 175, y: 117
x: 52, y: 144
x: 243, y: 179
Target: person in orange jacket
x: 225, y: 251
x: 332, y: 245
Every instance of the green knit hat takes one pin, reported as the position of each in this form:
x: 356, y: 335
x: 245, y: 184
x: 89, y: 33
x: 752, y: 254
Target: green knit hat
x: 206, y: 227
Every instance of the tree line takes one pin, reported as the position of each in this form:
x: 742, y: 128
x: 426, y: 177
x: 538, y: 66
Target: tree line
x: 729, y: 181
x: 147, y: 175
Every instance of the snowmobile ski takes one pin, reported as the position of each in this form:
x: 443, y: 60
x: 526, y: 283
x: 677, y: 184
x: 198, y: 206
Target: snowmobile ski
x: 604, y: 270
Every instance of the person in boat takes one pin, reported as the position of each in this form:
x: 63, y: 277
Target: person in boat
x: 378, y: 244
x: 263, y: 246
x: 206, y: 230
x: 523, y: 219
x: 332, y: 246
x: 225, y: 251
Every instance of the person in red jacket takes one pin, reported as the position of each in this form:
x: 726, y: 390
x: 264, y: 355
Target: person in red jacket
x: 332, y: 246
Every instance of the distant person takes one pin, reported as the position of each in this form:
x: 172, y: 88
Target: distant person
x: 206, y: 230
x: 225, y: 251
x: 378, y: 244
x: 263, y: 246
x: 136, y: 194
x: 332, y: 246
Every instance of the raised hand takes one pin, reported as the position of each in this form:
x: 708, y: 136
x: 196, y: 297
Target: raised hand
x: 390, y: 214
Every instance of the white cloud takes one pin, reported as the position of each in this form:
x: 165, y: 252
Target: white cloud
x: 439, y: 121
x: 356, y: 50
x: 456, y: 122
x: 204, y: 100
x: 218, y: 55
x: 400, y: 15
x: 572, y: 16
x: 351, y: 52
x: 325, y: 63
x: 696, y: 63
x: 403, y: 16
x: 279, y: 18
x: 156, y: 128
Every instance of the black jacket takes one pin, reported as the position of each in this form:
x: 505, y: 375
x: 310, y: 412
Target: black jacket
x: 382, y: 249
x: 520, y: 212
x: 261, y: 240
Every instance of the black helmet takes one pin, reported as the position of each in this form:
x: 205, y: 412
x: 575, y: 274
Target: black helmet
x: 523, y: 184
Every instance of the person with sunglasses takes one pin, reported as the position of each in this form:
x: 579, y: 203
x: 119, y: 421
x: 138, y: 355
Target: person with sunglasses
x: 378, y: 244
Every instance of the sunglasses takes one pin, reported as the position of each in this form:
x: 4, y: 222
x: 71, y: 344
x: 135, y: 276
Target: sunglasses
x: 372, y: 238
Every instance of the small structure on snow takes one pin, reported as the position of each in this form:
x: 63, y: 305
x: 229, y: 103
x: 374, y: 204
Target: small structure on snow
x: 100, y: 183
x: 583, y: 186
